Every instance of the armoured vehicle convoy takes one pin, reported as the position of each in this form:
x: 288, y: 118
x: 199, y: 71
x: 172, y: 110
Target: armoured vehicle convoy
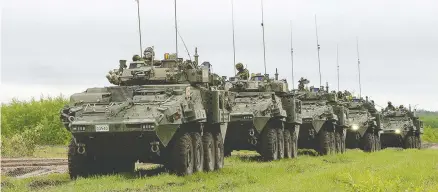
x: 401, y: 128
x: 159, y: 111
x: 264, y: 117
x: 364, y: 132
x: 324, y: 120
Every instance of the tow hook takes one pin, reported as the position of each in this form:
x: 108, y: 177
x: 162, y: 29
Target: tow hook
x: 81, y: 148
x: 154, y: 147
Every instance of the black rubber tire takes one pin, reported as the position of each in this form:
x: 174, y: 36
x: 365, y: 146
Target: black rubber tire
x: 294, y: 137
x: 408, y: 142
x: 287, y: 144
x: 198, y: 152
x: 333, y: 142
x: 280, y: 142
x: 368, y: 142
x: 338, y: 138
x: 269, y: 144
x: 415, y: 143
x: 78, y: 165
x: 419, y: 142
x: 182, y: 155
x: 343, y: 142
x: 324, y: 142
x: 218, y: 150
x: 378, y: 144
x: 209, y: 153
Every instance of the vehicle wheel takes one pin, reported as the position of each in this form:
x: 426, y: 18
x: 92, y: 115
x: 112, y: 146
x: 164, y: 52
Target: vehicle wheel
x: 198, y: 152
x: 280, y: 142
x: 78, y: 165
x: 338, y: 138
x: 324, y: 142
x: 209, y: 154
x: 183, y: 156
x: 269, y: 144
x: 377, y: 142
x: 287, y: 144
x: 218, y: 151
x: 333, y: 142
x: 294, y: 138
x: 368, y: 142
x: 408, y: 142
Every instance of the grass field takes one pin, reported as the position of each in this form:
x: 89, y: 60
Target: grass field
x: 387, y: 170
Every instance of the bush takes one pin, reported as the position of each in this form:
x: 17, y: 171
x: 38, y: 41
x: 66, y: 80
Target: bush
x: 24, y: 117
x: 430, y: 134
x: 20, y: 145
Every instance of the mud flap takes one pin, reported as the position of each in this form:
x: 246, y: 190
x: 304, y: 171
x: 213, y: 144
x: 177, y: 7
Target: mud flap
x: 165, y: 132
x: 260, y: 123
x: 223, y: 128
x: 317, y: 124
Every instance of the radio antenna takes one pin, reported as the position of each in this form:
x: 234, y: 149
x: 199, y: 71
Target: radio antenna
x: 263, y: 29
x: 139, y: 26
x: 234, y: 44
x: 184, y: 43
x: 337, y: 63
x: 292, y: 56
x: 319, y: 47
x: 358, y: 67
x: 176, y: 32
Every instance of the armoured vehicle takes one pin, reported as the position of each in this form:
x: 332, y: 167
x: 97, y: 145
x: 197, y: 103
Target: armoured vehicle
x: 364, y: 132
x: 324, y: 120
x: 159, y: 111
x: 264, y: 117
x: 401, y: 128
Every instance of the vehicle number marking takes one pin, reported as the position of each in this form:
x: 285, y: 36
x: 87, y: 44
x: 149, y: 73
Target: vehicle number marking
x: 102, y: 128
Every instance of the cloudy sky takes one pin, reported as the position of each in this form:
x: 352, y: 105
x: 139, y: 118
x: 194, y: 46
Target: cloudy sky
x: 61, y: 46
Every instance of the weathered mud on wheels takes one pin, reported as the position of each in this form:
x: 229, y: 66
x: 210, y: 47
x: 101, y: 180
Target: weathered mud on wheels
x: 182, y: 155
x: 294, y: 137
x: 408, y: 142
x: 368, y: 142
x: 198, y: 152
x: 377, y: 142
x: 280, y: 141
x: 209, y: 152
x: 269, y: 144
x: 78, y: 165
x: 325, y: 142
x: 218, y: 150
x: 287, y: 143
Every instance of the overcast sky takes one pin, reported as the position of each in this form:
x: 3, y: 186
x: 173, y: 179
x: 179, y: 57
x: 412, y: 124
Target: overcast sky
x: 62, y: 46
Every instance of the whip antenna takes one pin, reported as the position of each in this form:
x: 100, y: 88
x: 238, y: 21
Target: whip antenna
x: 184, y: 43
x: 337, y: 62
x: 176, y: 32
x: 139, y: 28
x: 234, y: 44
x: 292, y: 56
x: 319, y: 47
x: 358, y: 67
x: 263, y: 29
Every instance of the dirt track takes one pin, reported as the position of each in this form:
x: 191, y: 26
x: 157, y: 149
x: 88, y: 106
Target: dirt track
x: 30, y: 167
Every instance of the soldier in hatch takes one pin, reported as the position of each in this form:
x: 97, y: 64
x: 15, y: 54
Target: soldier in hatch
x: 137, y: 58
x: 301, y: 84
x: 148, y: 54
x: 243, y: 73
x: 390, y: 106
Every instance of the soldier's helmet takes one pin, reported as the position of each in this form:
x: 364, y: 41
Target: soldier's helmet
x: 239, y: 66
x: 148, y: 52
x: 136, y: 58
x: 402, y: 107
x: 389, y: 103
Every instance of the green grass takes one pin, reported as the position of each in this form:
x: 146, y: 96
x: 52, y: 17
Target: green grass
x: 387, y: 170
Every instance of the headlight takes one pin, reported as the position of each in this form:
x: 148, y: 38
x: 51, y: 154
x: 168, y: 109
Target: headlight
x: 355, y: 127
x: 398, y: 131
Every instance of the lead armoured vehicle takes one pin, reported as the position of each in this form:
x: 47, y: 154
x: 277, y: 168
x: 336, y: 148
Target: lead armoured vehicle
x: 401, y: 128
x: 324, y: 120
x: 160, y: 111
x: 364, y: 132
x: 264, y: 117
